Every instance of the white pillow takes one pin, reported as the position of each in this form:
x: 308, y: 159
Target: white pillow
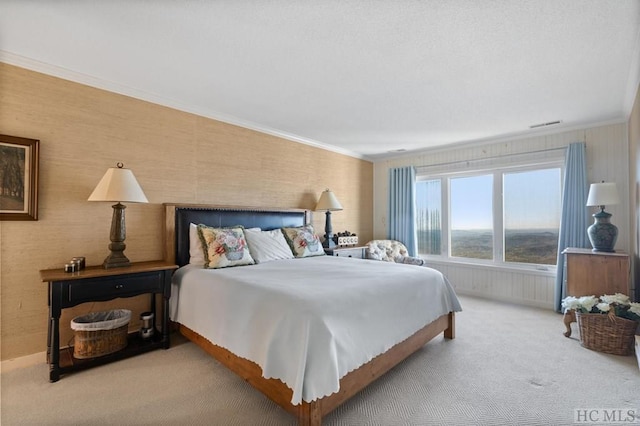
x: 196, y: 255
x: 265, y: 246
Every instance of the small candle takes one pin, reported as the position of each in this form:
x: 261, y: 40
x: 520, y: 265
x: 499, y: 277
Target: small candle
x: 80, y: 261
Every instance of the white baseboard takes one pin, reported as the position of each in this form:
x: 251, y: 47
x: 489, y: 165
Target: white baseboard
x: 23, y: 361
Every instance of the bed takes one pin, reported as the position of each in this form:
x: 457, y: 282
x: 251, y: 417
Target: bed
x: 305, y: 341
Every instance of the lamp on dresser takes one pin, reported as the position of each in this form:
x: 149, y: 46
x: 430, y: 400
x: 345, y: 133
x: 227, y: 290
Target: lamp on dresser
x: 328, y: 203
x: 120, y: 185
x: 602, y: 233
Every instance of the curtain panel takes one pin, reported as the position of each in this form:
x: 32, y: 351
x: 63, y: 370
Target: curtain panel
x: 402, y: 208
x: 575, y: 214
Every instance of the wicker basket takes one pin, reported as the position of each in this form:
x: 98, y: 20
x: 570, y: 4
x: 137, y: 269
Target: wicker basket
x: 606, y: 333
x: 100, y: 333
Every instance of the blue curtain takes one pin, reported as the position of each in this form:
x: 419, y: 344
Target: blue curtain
x: 575, y: 214
x: 402, y: 208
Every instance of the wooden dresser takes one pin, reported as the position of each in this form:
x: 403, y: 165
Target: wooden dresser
x: 595, y: 273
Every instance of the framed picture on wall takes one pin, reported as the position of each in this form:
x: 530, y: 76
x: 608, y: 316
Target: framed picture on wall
x: 18, y: 178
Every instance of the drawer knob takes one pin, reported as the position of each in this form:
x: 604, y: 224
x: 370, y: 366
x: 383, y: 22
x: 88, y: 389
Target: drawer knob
x: 119, y: 286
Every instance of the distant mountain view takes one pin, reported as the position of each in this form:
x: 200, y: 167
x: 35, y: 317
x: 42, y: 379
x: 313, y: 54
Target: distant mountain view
x: 532, y: 246
x: 539, y: 246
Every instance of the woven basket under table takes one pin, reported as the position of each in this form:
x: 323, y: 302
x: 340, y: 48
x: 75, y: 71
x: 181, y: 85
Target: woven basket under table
x: 605, y: 333
x: 100, y: 333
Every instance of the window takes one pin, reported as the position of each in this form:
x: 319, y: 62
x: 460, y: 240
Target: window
x: 532, y: 216
x: 472, y: 217
x: 507, y: 216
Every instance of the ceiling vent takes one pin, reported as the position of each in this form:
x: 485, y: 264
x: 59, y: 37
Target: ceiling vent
x: 550, y: 123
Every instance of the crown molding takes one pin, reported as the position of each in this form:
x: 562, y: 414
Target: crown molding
x: 110, y: 86
x: 508, y: 137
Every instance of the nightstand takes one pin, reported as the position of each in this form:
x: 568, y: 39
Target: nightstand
x: 67, y: 289
x: 589, y: 272
x: 355, y: 252
x: 592, y: 272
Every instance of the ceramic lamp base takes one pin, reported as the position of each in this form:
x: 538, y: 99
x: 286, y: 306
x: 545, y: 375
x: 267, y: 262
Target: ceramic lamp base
x: 328, y: 233
x: 602, y: 234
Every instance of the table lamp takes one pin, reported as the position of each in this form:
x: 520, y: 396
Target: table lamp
x: 328, y: 203
x: 118, y: 184
x: 602, y: 233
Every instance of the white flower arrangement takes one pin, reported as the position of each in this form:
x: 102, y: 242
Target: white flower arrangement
x: 612, y: 304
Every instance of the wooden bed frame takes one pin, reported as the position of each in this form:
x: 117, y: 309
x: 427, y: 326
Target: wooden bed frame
x: 177, y: 219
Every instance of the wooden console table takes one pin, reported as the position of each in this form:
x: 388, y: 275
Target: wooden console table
x: 67, y: 289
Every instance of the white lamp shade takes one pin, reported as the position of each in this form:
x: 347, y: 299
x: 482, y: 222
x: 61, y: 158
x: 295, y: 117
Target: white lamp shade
x: 328, y: 202
x: 602, y: 194
x: 118, y: 184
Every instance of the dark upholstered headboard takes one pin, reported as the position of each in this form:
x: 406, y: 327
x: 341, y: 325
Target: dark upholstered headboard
x: 179, y: 216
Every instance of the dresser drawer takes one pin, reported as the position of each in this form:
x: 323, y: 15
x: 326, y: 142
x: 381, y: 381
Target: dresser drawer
x: 355, y: 252
x: 106, y: 288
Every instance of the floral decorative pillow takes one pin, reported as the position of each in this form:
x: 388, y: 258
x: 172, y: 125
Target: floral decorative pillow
x: 224, y: 247
x: 303, y: 241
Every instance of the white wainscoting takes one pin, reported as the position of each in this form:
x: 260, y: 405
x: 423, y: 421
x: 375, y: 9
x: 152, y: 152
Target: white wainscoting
x: 531, y: 288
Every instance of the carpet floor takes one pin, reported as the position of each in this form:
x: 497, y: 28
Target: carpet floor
x: 509, y: 365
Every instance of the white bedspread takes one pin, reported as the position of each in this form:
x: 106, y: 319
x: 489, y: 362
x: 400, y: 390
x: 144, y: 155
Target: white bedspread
x: 310, y: 321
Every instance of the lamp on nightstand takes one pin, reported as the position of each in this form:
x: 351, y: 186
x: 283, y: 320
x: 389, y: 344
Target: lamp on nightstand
x: 118, y: 184
x: 328, y: 203
x: 602, y: 233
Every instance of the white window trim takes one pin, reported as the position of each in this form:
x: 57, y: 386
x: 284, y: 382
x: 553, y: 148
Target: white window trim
x: 498, y: 232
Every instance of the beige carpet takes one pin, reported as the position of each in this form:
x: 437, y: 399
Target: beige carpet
x: 507, y: 366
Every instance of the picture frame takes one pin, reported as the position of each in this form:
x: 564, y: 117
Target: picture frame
x: 19, y: 169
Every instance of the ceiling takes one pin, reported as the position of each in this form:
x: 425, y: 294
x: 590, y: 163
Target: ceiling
x: 365, y: 78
